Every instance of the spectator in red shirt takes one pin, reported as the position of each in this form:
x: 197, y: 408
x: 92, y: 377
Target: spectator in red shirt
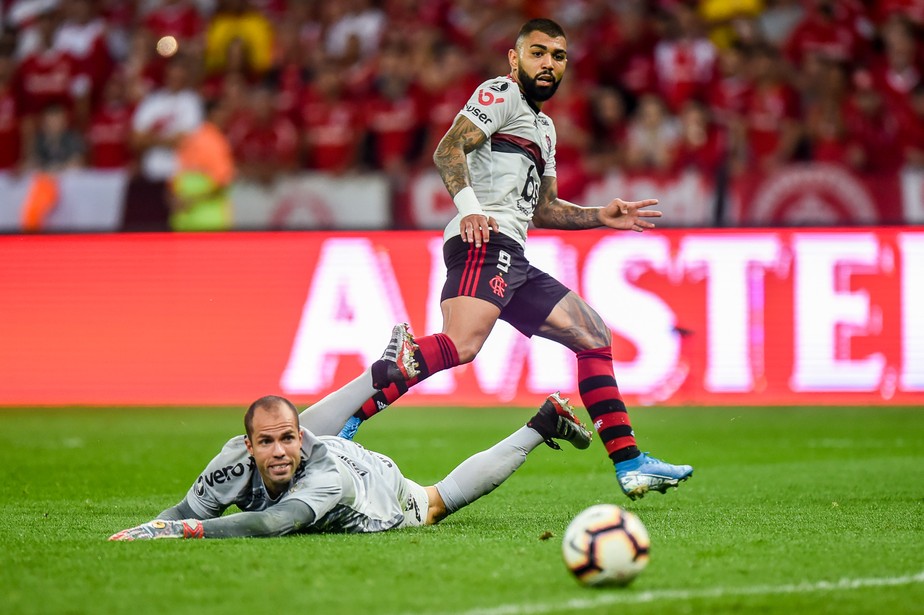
x: 685, y: 61
x: 828, y: 29
x: 392, y: 112
x: 898, y: 70
x: 83, y: 36
x: 823, y: 116
x: 630, y: 64
x: 446, y: 82
x: 874, y: 131
x: 729, y: 92
x: 913, y: 129
x: 237, y: 67
x: 178, y: 18
x: 10, y: 124
x: 826, y: 133
x: 331, y: 122
x: 289, y: 72
x: 912, y: 10
x: 50, y: 76
x: 700, y: 144
x: 110, y: 130
x: 771, y: 125
x: 143, y: 68
x: 269, y: 144
x: 236, y: 111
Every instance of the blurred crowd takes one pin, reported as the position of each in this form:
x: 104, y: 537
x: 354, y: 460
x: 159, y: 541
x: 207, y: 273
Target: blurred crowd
x: 275, y: 86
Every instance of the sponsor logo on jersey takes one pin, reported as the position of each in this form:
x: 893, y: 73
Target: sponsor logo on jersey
x: 498, y: 285
x: 478, y: 113
x: 486, y: 98
x: 219, y: 476
x: 500, y: 86
x: 412, y: 504
x: 525, y: 208
x: 352, y: 465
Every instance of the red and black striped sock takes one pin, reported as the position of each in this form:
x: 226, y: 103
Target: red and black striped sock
x: 435, y: 353
x: 600, y: 395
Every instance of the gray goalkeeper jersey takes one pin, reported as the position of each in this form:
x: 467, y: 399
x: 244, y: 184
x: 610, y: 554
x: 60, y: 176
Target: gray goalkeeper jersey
x: 348, y: 488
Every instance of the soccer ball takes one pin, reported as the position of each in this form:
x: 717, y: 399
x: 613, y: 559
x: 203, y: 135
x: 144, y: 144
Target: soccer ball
x: 605, y: 545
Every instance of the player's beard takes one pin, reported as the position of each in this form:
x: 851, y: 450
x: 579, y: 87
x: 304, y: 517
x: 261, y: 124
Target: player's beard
x: 532, y: 90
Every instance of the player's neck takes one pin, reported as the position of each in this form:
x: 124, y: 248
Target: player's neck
x: 534, y: 105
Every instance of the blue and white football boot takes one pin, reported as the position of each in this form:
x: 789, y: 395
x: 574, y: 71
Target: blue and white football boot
x: 644, y: 473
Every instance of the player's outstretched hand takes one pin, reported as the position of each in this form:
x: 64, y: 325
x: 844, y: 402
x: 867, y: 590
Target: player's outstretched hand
x: 476, y: 228
x: 188, y: 528
x: 629, y: 215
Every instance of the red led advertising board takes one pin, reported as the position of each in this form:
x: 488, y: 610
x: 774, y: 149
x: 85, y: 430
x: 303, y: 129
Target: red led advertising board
x: 698, y: 317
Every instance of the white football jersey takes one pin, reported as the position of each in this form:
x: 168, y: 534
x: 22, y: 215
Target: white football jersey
x: 507, y: 169
x: 349, y: 488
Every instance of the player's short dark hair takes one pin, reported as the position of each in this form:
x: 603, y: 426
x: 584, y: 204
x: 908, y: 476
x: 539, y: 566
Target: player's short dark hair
x: 546, y: 26
x: 267, y: 401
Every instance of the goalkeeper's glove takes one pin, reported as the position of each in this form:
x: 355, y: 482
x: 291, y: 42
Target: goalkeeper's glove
x: 186, y: 528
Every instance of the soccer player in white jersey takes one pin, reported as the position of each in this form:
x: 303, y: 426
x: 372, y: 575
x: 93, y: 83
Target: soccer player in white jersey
x: 498, y: 163
x: 289, y: 474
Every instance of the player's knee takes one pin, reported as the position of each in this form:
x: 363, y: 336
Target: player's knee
x: 597, y: 333
x: 467, y: 349
x: 467, y: 354
x: 602, y: 337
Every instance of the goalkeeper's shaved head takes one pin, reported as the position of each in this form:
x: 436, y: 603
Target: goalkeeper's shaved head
x: 267, y: 402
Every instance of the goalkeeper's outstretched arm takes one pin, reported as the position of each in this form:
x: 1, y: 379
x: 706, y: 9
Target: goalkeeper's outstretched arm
x: 181, y: 511
x: 279, y: 520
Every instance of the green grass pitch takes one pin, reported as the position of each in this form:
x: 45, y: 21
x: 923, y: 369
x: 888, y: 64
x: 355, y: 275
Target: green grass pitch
x: 794, y: 510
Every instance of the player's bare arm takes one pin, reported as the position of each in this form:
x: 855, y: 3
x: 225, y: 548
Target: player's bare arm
x: 449, y: 158
x: 556, y: 213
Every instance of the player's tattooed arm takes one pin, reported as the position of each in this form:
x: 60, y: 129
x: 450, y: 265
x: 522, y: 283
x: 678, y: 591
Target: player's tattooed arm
x: 449, y: 156
x: 553, y: 212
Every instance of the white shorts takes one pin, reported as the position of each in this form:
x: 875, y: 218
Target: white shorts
x: 415, y: 503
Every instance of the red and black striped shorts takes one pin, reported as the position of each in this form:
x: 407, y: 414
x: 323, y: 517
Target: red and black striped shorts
x: 499, y: 272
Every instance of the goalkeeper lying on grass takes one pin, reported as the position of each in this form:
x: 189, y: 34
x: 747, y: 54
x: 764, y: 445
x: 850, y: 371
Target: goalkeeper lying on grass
x: 291, y: 474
